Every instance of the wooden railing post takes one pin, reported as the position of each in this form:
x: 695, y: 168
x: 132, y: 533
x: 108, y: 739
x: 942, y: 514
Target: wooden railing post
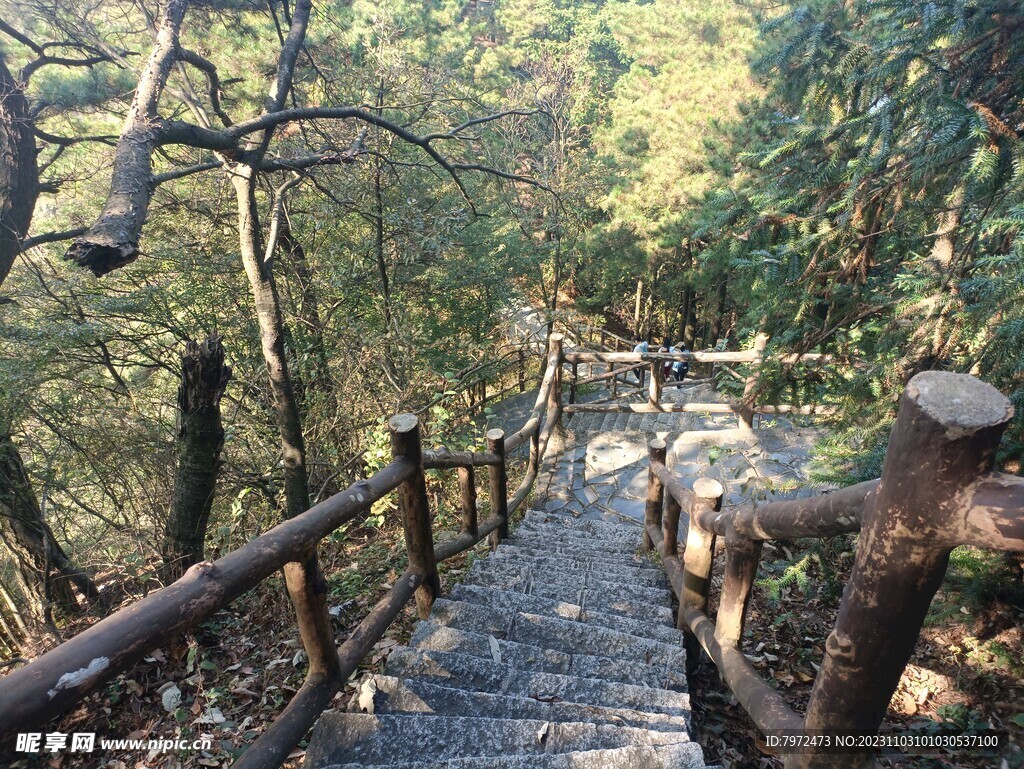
x: 742, y: 556
x: 467, y: 494
x: 945, y: 436
x: 670, y: 526
x: 522, y: 370
x: 698, y: 559
x: 498, y: 475
x: 604, y: 338
x: 656, y: 453
x: 746, y: 412
x: 654, y: 393
x: 572, y: 382
x: 555, y: 395
x: 414, y: 509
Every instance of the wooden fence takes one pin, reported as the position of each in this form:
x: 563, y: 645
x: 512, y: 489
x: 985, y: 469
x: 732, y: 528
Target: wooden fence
x: 62, y: 677
x: 622, y: 363
x: 937, y: 491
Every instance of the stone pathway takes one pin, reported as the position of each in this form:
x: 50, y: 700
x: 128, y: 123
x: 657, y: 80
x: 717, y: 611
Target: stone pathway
x: 601, y: 471
x: 558, y: 651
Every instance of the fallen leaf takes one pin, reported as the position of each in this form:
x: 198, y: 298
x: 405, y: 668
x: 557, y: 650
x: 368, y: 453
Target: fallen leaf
x: 171, y: 698
x: 542, y: 733
x: 495, y: 649
x: 366, y: 693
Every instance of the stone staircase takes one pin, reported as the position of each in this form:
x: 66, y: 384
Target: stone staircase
x: 558, y: 651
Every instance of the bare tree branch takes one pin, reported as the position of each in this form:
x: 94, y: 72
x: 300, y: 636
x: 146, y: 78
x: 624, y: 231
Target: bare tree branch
x: 212, y: 78
x: 113, y: 240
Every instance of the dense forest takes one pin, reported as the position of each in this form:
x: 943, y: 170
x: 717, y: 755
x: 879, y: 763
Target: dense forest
x: 238, y: 235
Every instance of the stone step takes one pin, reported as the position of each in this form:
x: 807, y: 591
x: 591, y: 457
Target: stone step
x: 553, y: 534
x: 385, y: 694
x: 588, y: 600
x: 577, y: 570
x: 679, y: 756
x: 617, y: 533
x: 523, y: 579
x: 431, y: 636
x: 464, y: 671
x: 578, y: 556
x: 496, y: 599
x: 622, y: 573
x: 393, y: 738
x: 559, y: 634
x: 507, y: 568
x: 560, y: 540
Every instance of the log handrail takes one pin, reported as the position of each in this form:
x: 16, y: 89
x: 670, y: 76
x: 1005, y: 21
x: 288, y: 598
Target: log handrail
x: 55, y: 681
x: 937, y: 491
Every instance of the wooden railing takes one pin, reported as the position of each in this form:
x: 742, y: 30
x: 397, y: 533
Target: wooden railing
x: 62, y: 677
x: 937, y: 491
x: 621, y: 363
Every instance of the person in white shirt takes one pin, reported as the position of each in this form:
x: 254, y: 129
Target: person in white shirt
x: 641, y: 347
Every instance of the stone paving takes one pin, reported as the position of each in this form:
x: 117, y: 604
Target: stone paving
x: 601, y: 470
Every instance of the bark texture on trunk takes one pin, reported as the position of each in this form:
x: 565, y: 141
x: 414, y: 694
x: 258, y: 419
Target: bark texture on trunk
x: 45, y: 570
x: 19, y: 174
x: 204, y: 375
x: 272, y: 339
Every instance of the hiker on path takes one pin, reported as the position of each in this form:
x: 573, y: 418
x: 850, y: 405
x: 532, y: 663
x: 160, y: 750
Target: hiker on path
x: 644, y: 348
x: 681, y: 367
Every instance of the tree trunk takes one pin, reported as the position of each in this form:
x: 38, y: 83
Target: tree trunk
x: 204, y: 376
x: 272, y: 335
x: 44, y: 568
x: 718, y: 319
x: 637, y: 303
x: 19, y: 176
x: 689, y: 336
x: 307, y: 308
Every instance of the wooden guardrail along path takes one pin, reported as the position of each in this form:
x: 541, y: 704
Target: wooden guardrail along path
x: 937, y: 491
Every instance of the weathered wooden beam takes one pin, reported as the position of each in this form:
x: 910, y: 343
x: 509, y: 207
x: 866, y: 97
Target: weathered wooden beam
x: 443, y: 459
x: 467, y: 498
x: 49, y: 685
x: 636, y: 358
x: 827, y: 515
x: 672, y: 484
x: 657, y: 379
x: 670, y: 525
x: 415, y: 510
x: 464, y: 541
x: 766, y: 707
x: 498, y: 477
x: 606, y: 376
x: 656, y: 451
x: 651, y: 408
x: 944, y: 440
x: 698, y: 560
x: 522, y: 435
x: 555, y: 393
x: 996, y: 512
x: 742, y: 556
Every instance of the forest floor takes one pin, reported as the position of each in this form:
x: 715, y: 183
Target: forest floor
x: 966, y: 675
